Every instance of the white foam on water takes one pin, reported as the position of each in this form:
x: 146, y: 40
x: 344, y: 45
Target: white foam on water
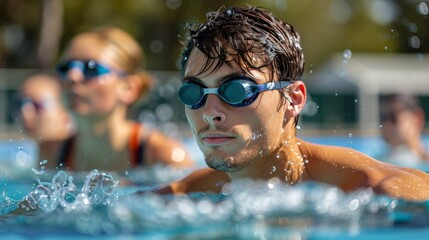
x: 244, y: 210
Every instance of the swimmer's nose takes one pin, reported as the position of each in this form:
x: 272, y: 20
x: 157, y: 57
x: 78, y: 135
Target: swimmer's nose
x: 213, y: 110
x: 75, y: 75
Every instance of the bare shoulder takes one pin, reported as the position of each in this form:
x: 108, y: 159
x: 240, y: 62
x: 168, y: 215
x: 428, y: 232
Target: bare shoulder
x: 202, y: 180
x: 335, y: 155
x: 154, y: 136
x: 351, y: 170
x: 165, y: 149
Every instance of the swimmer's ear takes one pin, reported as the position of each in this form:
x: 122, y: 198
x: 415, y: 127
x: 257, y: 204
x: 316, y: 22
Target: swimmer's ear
x: 130, y: 89
x: 297, y: 94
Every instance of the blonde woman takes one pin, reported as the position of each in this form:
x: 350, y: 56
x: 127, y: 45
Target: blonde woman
x: 101, y: 74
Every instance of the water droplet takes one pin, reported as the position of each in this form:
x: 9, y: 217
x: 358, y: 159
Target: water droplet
x: 356, y: 100
x: 156, y: 46
x: 423, y: 8
x: 37, y: 172
x: 347, y: 54
x: 414, y: 42
x: 254, y: 136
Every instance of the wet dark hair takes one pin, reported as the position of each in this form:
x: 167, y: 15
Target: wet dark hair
x: 408, y: 102
x: 391, y: 105
x: 246, y: 39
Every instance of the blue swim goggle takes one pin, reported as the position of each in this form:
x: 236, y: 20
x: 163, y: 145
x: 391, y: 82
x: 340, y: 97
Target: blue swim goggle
x: 236, y: 92
x: 89, y: 68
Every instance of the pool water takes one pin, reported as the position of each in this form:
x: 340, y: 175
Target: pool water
x: 93, y: 204
x: 98, y: 206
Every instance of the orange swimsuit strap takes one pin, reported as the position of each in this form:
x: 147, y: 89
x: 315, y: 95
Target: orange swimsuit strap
x: 136, y: 146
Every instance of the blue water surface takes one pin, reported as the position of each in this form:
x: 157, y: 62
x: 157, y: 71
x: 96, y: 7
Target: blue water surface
x: 97, y: 207
x: 92, y: 204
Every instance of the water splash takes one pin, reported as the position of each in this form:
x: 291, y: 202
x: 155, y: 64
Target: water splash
x: 243, y: 209
x: 7, y: 204
x: 248, y: 203
x: 98, y: 189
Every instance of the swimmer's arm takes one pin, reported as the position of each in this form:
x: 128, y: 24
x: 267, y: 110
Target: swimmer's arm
x: 399, y: 182
x: 165, y: 150
x: 203, y: 180
x: 352, y: 170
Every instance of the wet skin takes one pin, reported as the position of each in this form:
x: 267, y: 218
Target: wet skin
x: 231, y: 138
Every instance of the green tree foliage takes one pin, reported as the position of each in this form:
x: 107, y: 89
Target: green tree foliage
x: 326, y: 26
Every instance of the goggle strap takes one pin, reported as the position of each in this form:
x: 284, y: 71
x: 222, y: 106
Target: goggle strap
x: 274, y: 85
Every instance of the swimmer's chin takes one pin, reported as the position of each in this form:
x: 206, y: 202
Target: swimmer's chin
x: 223, y: 164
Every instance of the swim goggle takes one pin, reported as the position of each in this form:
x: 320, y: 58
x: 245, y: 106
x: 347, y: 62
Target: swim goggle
x: 237, y: 92
x: 90, y: 68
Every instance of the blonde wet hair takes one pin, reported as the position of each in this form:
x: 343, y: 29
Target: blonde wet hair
x: 126, y: 52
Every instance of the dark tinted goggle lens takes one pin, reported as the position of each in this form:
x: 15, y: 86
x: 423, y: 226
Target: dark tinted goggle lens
x: 191, y: 94
x: 90, y: 69
x: 237, y: 93
x: 234, y: 92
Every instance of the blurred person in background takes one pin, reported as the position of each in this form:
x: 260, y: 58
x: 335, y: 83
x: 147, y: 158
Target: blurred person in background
x: 102, y: 77
x: 43, y: 115
x: 403, y: 120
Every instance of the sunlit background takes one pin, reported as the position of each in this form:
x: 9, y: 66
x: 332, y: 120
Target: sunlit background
x: 356, y: 50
